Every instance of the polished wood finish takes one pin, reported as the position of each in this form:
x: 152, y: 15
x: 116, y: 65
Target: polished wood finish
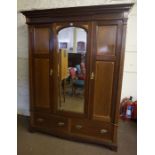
x: 85, y: 13
x: 103, y: 90
x: 106, y: 29
x: 106, y: 40
x: 41, y: 82
x: 41, y: 40
x: 50, y: 122
x: 92, y: 128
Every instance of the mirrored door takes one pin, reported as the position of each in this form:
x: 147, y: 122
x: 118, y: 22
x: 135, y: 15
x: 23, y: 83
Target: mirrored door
x: 72, y: 69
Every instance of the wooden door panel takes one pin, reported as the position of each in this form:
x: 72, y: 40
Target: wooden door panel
x: 103, y: 90
x: 106, y: 40
x: 41, y: 40
x: 41, y: 82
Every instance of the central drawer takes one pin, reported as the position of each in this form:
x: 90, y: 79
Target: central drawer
x: 91, y: 128
x: 50, y: 122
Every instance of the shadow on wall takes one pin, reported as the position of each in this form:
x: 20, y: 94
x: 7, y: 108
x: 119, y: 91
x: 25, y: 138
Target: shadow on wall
x: 22, y: 40
x: 22, y: 67
x: 22, y: 86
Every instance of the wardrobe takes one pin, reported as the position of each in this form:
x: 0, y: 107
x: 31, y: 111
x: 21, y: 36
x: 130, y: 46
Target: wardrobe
x: 76, y: 58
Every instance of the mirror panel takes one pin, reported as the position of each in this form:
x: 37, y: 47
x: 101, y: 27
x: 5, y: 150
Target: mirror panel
x: 72, y: 42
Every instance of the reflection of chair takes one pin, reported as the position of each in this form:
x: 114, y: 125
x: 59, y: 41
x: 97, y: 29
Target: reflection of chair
x: 77, y: 84
x: 77, y: 77
x: 72, y: 77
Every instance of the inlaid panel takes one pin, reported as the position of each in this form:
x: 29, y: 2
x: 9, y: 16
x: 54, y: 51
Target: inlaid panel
x: 103, y: 90
x: 106, y: 40
x: 41, y: 82
x: 41, y: 40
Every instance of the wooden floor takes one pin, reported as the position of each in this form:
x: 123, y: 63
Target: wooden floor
x: 42, y: 144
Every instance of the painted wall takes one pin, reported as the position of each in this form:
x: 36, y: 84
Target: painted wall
x: 130, y: 69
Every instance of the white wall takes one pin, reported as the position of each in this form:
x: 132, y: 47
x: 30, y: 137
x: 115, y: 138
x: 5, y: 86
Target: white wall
x: 130, y: 69
x: 129, y: 87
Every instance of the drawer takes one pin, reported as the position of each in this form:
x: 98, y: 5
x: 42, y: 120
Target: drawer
x: 50, y: 122
x: 59, y: 123
x: 42, y: 121
x: 91, y: 128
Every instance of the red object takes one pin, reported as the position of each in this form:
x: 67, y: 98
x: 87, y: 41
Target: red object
x: 134, y: 110
x: 128, y: 109
x: 82, y: 75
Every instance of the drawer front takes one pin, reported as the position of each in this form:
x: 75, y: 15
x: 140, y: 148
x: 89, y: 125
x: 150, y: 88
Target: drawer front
x: 59, y: 123
x: 42, y: 121
x: 50, y: 122
x: 92, y: 128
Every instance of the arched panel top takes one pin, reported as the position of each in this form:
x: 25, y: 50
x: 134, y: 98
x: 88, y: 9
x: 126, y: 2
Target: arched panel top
x: 71, y: 24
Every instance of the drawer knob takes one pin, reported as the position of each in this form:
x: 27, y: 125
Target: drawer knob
x: 61, y: 123
x: 40, y: 119
x: 102, y: 131
x: 78, y: 126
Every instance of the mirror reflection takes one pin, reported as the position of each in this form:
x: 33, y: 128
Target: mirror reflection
x: 72, y: 69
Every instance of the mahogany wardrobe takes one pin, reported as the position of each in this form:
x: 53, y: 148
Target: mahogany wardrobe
x: 76, y: 60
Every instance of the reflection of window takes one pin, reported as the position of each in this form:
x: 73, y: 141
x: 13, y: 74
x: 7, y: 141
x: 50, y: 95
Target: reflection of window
x: 80, y: 46
x: 63, y: 45
x: 74, y: 39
